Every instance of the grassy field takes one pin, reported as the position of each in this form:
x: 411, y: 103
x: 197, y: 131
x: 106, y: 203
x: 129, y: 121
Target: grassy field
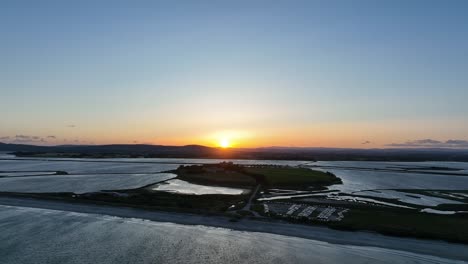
x: 162, y: 200
x: 215, y: 176
x: 394, y: 222
x: 279, y: 177
x: 233, y: 179
x: 407, y: 223
x: 232, y: 175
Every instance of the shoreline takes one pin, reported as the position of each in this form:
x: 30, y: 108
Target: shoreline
x: 354, y: 238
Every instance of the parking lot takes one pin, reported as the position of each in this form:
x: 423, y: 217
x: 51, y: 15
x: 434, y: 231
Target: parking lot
x: 305, y: 211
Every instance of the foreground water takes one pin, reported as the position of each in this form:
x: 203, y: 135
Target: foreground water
x: 48, y: 236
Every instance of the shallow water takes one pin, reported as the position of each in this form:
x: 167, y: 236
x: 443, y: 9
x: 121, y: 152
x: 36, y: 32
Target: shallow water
x: 433, y: 211
x: 46, y: 236
x: 365, y: 180
x: 81, y: 166
x: 19, y: 174
x: 179, y: 186
x: 360, y: 178
x: 394, y: 165
x: 418, y: 199
x: 366, y: 200
x: 80, y: 183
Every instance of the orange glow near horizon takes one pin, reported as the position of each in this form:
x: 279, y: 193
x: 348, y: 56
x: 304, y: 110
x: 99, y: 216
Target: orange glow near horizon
x: 339, y: 135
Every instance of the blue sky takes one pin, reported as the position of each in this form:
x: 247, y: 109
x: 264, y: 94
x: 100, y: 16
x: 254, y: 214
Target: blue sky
x: 302, y: 73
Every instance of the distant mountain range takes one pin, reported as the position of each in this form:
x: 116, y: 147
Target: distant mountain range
x: 198, y: 151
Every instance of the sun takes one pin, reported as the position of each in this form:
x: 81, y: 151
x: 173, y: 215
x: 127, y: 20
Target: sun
x: 224, y: 143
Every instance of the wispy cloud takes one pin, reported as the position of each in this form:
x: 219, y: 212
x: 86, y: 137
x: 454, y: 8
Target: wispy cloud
x: 53, y: 137
x: 4, y: 138
x: 431, y: 143
x: 28, y: 139
x: 71, y: 126
x: 365, y: 142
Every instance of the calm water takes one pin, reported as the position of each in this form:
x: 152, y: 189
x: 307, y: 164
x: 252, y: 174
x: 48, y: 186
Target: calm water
x: 357, y: 180
x: 46, y: 236
x: 179, y: 186
x: 80, y: 166
x: 377, y: 183
x: 80, y: 183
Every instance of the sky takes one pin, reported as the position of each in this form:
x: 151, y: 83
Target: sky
x: 354, y: 74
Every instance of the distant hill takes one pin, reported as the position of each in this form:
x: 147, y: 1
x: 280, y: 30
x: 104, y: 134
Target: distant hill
x: 110, y: 150
x: 198, y: 151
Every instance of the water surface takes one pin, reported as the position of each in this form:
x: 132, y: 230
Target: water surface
x: 47, y: 236
x: 80, y: 183
x: 179, y: 186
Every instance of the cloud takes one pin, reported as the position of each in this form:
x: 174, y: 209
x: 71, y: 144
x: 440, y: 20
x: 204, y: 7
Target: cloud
x: 427, y: 142
x: 71, y: 126
x: 28, y: 139
x: 366, y: 142
x: 54, y: 137
x: 431, y: 143
x: 4, y: 138
x: 457, y: 142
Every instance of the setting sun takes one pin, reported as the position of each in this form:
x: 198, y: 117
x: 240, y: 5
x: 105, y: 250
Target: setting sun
x: 224, y: 143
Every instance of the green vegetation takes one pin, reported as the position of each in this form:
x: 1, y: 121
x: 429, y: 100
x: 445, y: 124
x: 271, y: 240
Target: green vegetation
x: 223, y: 174
x: 213, y: 203
x: 290, y: 177
x: 391, y: 221
x: 452, y: 207
x: 257, y: 207
x: 233, y: 175
x: 407, y: 223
